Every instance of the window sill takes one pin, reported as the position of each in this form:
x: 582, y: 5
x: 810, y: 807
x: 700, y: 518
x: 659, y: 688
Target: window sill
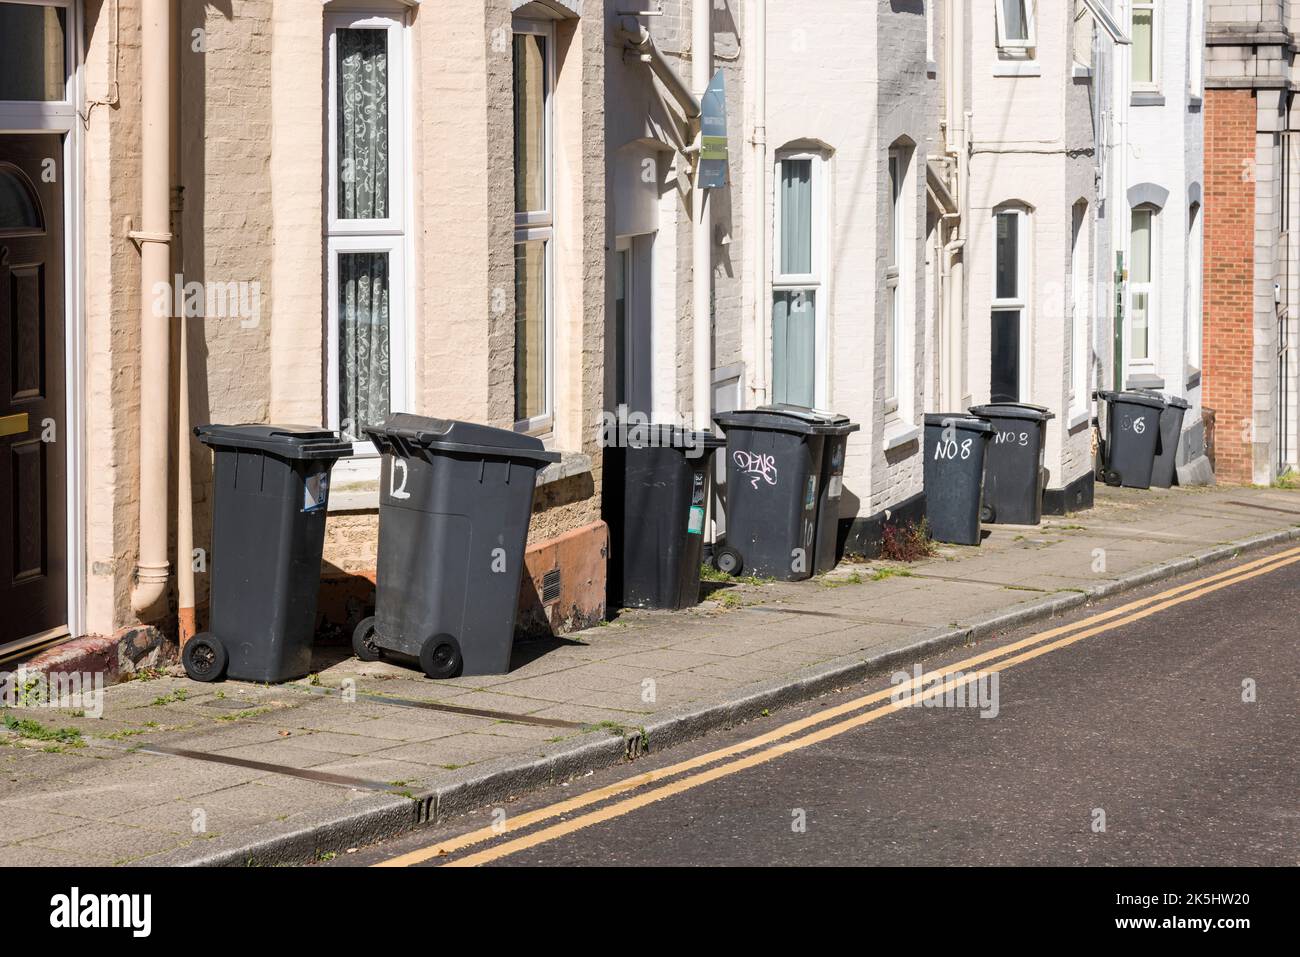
x: 900, y: 434
x: 570, y: 464
x: 1081, y: 72
x: 1017, y: 68
x: 354, y: 484
x: 931, y: 69
x: 1193, y: 378
x: 1147, y: 99
x: 356, y: 488
x: 1077, y: 419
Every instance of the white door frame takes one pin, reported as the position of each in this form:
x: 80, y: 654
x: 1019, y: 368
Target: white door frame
x: 640, y: 273
x: 63, y: 117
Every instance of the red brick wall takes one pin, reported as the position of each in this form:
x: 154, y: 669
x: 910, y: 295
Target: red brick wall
x: 1229, y: 212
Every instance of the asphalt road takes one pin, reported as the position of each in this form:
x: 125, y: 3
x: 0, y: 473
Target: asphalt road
x: 1129, y: 746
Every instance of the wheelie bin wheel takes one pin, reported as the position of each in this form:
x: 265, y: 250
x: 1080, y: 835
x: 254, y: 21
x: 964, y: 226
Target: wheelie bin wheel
x: 988, y: 514
x: 440, y: 657
x: 728, y: 561
x: 363, y: 641
x: 1113, y: 478
x: 205, y: 658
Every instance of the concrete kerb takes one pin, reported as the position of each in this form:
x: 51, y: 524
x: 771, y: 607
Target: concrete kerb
x: 382, y: 817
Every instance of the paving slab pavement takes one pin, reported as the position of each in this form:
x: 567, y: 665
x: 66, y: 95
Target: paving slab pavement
x: 362, y: 751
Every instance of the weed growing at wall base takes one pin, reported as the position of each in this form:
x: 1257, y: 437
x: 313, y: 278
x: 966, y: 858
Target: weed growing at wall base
x: 907, y: 543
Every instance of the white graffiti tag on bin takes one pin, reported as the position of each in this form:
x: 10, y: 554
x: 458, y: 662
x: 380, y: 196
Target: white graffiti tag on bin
x: 759, y: 468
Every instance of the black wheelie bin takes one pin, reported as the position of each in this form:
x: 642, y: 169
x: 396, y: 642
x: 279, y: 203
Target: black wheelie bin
x: 774, y: 470
x: 956, y: 444
x: 1165, y: 466
x: 270, y: 494
x: 836, y: 429
x: 1014, y: 477
x: 1132, y: 433
x: 657, y: 492
x: 455, y: 499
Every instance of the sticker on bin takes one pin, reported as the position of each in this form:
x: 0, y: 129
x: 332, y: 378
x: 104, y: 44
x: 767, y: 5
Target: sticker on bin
x: 316, y: 491
x: 810, y: 502
x: 835, y: 486
x: 696, y: 524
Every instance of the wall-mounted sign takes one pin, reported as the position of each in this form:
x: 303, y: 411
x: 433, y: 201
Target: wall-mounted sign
x: 713, y: 145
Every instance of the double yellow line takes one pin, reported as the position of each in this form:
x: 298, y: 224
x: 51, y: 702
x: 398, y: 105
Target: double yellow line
x: 781, y: 741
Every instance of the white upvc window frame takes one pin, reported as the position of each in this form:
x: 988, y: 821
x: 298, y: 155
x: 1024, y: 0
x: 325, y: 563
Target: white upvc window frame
x: 1196, y: 49
x: 637, y: 252
x: 895, y: 287
x: 1085, y: 27
x: 395, y: 223
x: 815, y: 281
x: 388, y: 235
x: 28, y: 115
x: 395, y: 247
x: 1013, y: 45
x: 1078, y: 306
x: 1024, y: 282
x: 1152, y: 85
x: 625, y: 264
x: 1150, y: 289
x: 534, y: 225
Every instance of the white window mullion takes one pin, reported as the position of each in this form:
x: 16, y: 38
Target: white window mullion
x: 535, y: 223
x: 1015, y: 25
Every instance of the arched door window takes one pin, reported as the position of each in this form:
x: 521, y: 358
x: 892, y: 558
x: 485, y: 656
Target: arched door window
x: 20, y: 210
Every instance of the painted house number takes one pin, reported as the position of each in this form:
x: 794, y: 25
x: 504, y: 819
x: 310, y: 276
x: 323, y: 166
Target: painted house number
x: 1014, y: 438
x: 395, y: 489
x: 951, y: 450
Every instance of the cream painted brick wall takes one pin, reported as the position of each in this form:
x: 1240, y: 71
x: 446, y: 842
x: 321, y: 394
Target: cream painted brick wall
x: 464, y: 201
x: 297, y: 174
x: 112, y: 323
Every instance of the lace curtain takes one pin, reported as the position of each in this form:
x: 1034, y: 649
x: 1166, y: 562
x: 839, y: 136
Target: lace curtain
x: 363, y: 277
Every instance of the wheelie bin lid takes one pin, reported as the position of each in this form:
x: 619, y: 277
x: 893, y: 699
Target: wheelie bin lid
x: 467, y: 438
x: 1132, y: 398
x: 286, y: 441
x: 787, y: 418
x: 1014, y: 410
x: 960, y: 420
x: 665, y: 436
x: 1173, y: 401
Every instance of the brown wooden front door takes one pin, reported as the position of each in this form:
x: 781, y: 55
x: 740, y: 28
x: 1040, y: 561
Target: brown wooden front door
x: 33, y: 422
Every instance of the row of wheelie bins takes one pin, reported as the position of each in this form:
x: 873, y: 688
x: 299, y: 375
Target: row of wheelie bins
x: 1140, y: 448
x: 455, y: 501
x: 785, y: 477
x: 985, y: 466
